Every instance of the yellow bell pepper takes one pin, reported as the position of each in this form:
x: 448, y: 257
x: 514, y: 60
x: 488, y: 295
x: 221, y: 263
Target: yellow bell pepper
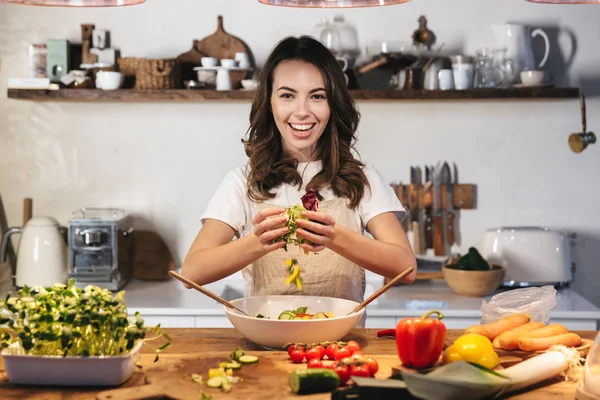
x: 472, y: 347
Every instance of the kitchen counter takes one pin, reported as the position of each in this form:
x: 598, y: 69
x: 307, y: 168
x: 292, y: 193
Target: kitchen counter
x: 169, y: 303
x: 196, y: 350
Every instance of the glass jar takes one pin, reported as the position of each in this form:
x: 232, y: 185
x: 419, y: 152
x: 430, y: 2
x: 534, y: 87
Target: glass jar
x: 591, y: 377
x: 348, y: 37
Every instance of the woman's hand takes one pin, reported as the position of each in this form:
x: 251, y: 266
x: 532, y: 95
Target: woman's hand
x: 268, y: 226
x: 320, y: 230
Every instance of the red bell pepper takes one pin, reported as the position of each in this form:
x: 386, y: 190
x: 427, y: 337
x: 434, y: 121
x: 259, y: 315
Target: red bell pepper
x: 420, y: 341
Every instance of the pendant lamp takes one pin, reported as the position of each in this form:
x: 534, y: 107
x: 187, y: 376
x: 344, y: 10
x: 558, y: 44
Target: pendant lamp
x: 565, y: 1
x: 332, y: 3
x: 75, y: 3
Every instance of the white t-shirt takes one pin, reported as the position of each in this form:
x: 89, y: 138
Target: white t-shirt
x: 231, y: 205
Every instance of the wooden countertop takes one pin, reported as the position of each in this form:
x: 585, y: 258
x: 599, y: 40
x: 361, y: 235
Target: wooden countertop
x: 191, y: 346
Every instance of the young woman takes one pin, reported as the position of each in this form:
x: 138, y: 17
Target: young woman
x: 301, y: 136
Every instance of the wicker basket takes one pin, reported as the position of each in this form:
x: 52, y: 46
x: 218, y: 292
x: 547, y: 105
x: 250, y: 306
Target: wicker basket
x: 150, y: 74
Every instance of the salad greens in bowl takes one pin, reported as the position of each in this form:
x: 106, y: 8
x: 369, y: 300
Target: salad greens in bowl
x: 278, y: 320
x: 80, y: 336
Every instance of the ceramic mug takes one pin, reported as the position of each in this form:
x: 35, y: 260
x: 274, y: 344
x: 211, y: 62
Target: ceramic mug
x: 242, y: 59
x: 446, y: 79
x: 109, y: 80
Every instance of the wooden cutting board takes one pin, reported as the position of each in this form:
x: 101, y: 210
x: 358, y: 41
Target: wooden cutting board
x: 223, y: 45
x: 172, y: 378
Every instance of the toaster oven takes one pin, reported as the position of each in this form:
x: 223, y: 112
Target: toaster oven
x: 532, y: 256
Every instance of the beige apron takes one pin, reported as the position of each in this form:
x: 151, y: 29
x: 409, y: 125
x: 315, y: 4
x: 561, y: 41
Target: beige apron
x: 323, y: 274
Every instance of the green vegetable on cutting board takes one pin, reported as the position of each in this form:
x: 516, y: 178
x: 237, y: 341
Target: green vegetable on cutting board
x: 471, y: 261
x: 313, y: 380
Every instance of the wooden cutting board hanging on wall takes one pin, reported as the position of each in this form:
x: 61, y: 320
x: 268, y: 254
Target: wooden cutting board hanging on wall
x: 223, y: 45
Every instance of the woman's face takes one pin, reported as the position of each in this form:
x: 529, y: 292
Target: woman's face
x: 300, y: 107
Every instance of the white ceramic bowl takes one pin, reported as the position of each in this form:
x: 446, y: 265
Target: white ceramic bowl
x: 275, y: 334
x: 249, y: 84
x: 68, y: 371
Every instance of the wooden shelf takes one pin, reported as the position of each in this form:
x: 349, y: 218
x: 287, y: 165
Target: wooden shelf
x: 131, y: 95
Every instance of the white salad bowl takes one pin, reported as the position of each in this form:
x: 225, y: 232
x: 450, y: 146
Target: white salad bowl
x: 28, y: 369
x: 274, y: 333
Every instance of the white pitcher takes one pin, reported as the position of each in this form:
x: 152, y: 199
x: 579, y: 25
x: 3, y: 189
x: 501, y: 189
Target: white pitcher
x: 516, y: 38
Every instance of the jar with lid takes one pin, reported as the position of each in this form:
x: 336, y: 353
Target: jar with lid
x: 327, y: 33
x: 348, y: 37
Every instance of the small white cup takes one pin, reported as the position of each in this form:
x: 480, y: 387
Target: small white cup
x: 532, y: 77
x: 463, y: 76
x: 445, y: 79
x: 208, y: 61
x: 109, y: 80
x: 242, y: 59
x: 228, y: 63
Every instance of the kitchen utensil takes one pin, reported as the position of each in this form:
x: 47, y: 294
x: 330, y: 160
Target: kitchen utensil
x: 437, y: 217
x: 206, y: 292
x: 427, y: 231
x: 532, y: 256
x: 152, y: 259
x: 274, y: 333
x: 41, y: 254
x: 412, y: 198
x: 382, y: 290
x: 579, y: 141
x: 517, y: 38
x: 188, y: 60
x: 449, y: 220
x: 222, y: 45
x: 416, y: 238
x: 27, y: 210
x: 100, y: 247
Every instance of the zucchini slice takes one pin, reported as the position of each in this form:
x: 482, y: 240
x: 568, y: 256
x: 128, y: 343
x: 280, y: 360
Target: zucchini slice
x: 247, y: 359
x: 286, y: 315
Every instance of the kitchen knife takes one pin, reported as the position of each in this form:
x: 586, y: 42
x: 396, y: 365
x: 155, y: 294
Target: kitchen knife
x: 448, y: 213
x: 419, y: 206
x: 437, y: 217
x: 427, y: 221
x: 412, y: 198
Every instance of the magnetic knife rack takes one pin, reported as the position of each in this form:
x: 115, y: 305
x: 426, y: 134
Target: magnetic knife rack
x: 419, y: 196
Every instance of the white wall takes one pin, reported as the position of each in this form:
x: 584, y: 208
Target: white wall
x: 162, y: 161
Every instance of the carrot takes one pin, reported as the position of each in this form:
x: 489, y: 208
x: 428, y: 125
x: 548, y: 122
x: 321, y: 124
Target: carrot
x: 542, y: 343
x: 496, y: 342
x: 509, y: 340
x: 494, y: 329
x: 546, y: 331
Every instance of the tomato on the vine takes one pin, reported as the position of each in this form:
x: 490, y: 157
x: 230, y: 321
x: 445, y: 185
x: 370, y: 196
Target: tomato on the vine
x: 343, y: 372
x: 297, y: 356
x: 341, y: 352
x: 312, y: 353
x: 330, y: 349
x: 294, y: 347
x: 372, y: 365
x: 352, y: 346
x: 321, y: 350
x: 315, y: 363
x: 360, y: 370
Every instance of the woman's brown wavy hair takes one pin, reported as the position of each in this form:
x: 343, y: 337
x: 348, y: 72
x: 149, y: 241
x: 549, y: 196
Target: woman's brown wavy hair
x: 269, y: 166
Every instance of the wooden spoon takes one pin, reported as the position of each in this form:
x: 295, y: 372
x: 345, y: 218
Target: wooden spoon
x: 382, y: 290
x: 206, y: 292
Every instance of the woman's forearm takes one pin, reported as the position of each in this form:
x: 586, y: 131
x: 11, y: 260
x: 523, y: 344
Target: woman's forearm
x: 208, y: 265
x: 387, y: 259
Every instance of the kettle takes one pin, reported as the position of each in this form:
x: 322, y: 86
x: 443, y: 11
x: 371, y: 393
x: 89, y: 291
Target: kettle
x: 41, y: 254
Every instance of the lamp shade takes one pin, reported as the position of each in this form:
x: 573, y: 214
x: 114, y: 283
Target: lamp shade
x: 75, y: 3
x: 565, y: 1
x: 332, y: 3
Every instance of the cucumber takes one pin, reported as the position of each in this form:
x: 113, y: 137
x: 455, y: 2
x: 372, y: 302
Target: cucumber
x: 286, y: 315
x: 313, y: 380
x: 232, y: 364
x: 216, y: 381
x: 247, y: 359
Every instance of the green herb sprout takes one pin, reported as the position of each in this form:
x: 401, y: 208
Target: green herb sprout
x: 64, y: 320
x: 292, y: 214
